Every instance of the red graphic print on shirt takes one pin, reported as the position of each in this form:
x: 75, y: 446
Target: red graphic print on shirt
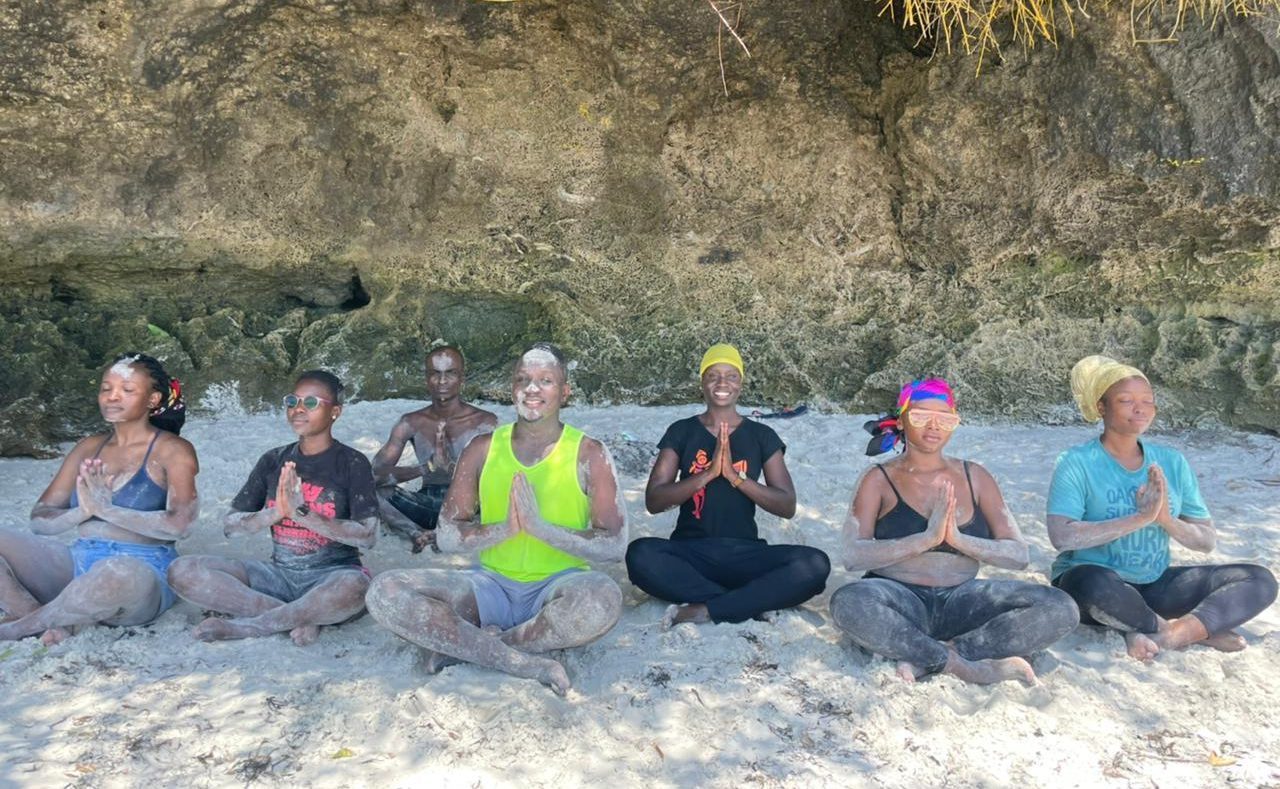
x: 700, y: 464
x: 296, y: 537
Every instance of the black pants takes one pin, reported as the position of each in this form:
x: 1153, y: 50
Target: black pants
x: 735, y: 579
x: 981, y: 619
x: 1221, y: 596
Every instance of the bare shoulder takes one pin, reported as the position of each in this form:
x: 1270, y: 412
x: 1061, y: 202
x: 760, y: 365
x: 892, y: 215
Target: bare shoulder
x: 88, y: 445
x: 481, y: 416
x: 417, y: 420
x: 977, y: 472
x: 174, y: 447
x: 478, y: 444
x: 872, y: 479
x: 591, y: 449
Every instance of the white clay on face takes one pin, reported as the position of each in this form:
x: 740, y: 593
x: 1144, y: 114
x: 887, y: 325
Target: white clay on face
x: 441, y: 362
x: 539, y: 357
x: 124, y: 368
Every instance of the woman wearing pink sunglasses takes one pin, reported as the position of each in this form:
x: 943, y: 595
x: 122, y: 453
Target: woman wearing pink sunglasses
x: 920, y: 602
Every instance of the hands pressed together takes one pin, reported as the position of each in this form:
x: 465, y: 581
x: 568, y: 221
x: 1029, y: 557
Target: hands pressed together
x: 94, y: 487
x: 942, y: 528
x: 1153, y: 497
x: 289, y: 492
x: 722, y: 461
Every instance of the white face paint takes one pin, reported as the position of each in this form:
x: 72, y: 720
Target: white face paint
x: 124, y: 368
x: 441, y: 362
x: 537, y: 383
x: 539, y: 357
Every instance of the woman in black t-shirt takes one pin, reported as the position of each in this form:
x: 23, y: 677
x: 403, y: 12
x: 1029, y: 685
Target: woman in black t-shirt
x: 715, y: 567
x: 317, y: 496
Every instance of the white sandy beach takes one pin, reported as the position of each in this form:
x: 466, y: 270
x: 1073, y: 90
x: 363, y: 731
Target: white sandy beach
x: 786, y: 703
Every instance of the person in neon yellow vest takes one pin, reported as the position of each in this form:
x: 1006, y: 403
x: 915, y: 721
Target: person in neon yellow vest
x: 535, y: 500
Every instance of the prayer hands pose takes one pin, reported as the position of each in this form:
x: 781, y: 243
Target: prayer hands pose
x: 1153, y: 497
x: 523, y: 513
x: 289, y: 491
x: 722, y: 461
x: 942, y: 520
x: 94, y: 487
x: 443, y: 459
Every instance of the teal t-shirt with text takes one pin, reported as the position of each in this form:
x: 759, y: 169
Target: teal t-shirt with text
x: 1090, y: 485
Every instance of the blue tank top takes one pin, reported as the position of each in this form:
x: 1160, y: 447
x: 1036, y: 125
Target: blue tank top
x: 903, y: 521
x: 140, y: 492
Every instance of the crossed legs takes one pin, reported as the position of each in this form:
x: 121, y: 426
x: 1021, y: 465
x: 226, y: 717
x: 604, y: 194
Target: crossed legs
x: 436, y: 609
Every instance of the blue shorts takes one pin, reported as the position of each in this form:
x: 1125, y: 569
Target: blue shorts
x: 507, y: 603
x: 88, y: 551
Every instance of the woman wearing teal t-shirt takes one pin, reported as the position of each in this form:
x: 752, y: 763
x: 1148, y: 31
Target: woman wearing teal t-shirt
x: 1113, y: 505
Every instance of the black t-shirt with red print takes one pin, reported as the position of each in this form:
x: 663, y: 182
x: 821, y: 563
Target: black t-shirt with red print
x: 719, y: 510
x: 337, y: 483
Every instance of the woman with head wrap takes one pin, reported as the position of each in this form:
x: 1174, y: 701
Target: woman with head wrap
x: 921, y: 525
x: 1113, y: 505
x: 715, y: 567
x: 128, y: 493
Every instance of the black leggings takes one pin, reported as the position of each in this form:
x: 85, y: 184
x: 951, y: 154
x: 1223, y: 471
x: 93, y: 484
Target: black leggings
x: 1221, y: 596
x: 736, y: 579
x: 981, y: 619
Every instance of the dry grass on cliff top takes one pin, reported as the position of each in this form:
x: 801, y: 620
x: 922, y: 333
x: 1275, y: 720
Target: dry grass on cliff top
x: 976, y: 26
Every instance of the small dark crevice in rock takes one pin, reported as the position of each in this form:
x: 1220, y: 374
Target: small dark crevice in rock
x: 359, y: 296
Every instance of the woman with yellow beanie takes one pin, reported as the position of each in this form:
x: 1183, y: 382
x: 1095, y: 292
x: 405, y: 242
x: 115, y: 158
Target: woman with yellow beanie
x: 715, y: 567
x: 1115, y: 502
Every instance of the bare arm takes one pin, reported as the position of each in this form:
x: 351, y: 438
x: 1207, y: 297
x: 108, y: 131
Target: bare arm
x: 359, y: 534
x: 385, y: 470
x: 606, y: 538
x: 862, y: 551
x: 459, y: 530
x: 777, y: 496
x: 1195, y: 533
x: 235, y: 522
x: 663, y: 492
x: 1067, y: 534
x: 1006, y: 547
x: 52, y: 513
x: 182, y: 506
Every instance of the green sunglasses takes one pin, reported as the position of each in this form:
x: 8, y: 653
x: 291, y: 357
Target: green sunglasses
x: 310, y: 402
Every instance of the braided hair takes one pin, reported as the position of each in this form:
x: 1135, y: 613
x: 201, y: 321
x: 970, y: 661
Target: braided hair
x: 171, y: 414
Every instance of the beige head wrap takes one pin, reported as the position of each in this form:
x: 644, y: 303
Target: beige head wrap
x: 1092, y: 377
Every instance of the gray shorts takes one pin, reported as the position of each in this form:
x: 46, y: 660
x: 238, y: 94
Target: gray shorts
x: 287, y: 584
x: 507, y: 603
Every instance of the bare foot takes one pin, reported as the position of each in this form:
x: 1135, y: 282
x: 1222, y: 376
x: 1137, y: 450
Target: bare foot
x: 1141, y: 647
x: 1180, y: 633
x: 907, y: 672
x: 678, y: 614
x: 55, y: 635
x: 218, y: 629
x: 1230, y: 641
x: 990, y: 671
x: 305, y: 635
x: 767, y: 616
x: 555, y: 677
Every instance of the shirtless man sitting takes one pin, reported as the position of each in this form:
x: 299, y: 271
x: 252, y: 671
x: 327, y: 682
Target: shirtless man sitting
x: 438, y: 434
x: 535, y: 500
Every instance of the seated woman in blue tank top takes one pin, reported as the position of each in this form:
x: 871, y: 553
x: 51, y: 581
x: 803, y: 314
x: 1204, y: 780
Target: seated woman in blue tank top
x: 921, y: 524
x: 115, y: 572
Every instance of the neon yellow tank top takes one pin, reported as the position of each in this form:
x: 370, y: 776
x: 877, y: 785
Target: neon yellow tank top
x: 554, y: 480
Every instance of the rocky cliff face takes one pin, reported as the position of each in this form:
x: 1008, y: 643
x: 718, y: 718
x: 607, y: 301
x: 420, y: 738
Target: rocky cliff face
x: 248, y: 189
